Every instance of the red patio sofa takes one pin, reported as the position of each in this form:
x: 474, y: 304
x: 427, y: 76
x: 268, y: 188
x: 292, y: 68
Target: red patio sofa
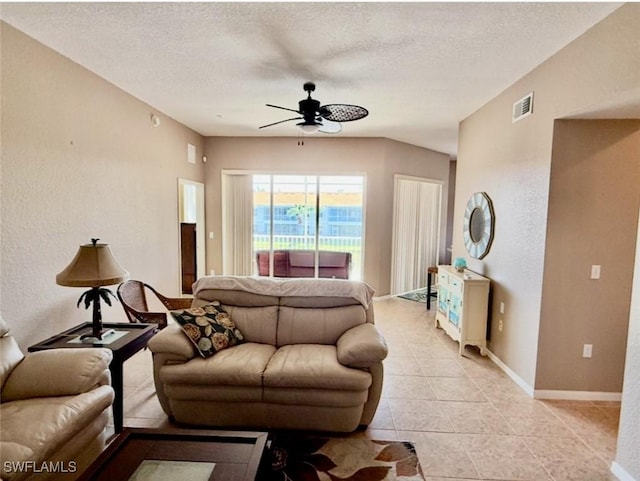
x: 300, y: 263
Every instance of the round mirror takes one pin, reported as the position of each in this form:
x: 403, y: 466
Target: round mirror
x: 478, y: 223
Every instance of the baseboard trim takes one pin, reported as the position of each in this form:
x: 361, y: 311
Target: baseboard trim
x: 577, y: 395
x: 621, y: 473
x: 382, y: 298
x: 554, y: 394
x: 514, y: 377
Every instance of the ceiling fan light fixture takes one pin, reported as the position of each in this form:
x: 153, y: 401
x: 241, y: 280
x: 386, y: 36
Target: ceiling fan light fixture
x: 308, y: 127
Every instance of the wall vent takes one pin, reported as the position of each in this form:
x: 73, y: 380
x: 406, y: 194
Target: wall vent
x: 523, y: 107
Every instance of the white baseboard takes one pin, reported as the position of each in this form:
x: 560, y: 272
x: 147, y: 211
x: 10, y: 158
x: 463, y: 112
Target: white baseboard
x: 577, y: 395
x: 517, y: 379
x: 621, y: 473
x: 554, y: 394
x: 382, y: 298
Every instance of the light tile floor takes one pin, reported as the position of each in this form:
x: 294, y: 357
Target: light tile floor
x: 467, y: 419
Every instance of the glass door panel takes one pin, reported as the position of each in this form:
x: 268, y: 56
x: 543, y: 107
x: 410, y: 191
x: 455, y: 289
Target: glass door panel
x: 341, y: 226
x: 294, y: 227
x: 300, y: 233
x: 262, y: 225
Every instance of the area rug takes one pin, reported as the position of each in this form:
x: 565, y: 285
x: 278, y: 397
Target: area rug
x: 298, y: 457
x: 419, y: 295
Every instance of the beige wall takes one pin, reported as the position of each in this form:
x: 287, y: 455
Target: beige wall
x: 80, y: 159
x: 593, y: 210
x: 628, y: 454
x: 377, y: 159
x: 512, y: 163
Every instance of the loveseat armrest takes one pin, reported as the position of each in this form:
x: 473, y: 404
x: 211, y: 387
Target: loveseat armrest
x: 172, y: 340
x: 361, y: 346
x: 58, y: 372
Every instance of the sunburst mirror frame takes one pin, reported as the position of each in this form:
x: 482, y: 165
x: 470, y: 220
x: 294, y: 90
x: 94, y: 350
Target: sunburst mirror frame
x: 478, y: 225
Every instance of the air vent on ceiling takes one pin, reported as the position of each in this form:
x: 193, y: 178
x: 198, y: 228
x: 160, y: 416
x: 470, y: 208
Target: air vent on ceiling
x: 523, y: 107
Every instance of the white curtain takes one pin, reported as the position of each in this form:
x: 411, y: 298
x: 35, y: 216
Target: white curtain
x: 237, y: 225
x: 416, y: 232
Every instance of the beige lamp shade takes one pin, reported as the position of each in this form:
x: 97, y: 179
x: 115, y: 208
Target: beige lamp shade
x: 93, y: 266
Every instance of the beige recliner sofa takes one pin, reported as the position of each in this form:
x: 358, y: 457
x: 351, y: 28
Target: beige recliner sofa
x: 53, y: 411
x: 311, y: 359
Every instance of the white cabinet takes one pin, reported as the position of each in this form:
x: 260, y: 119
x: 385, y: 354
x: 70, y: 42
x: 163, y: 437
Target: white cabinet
x: 463, y: 299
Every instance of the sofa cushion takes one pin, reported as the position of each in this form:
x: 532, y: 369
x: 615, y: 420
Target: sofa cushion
x: 312, y: 366
x: 241, y: 365
x: 257, y: 324
x: 35, y: 428
x: 315, y: 397
x: 315, y: 325
x: 213, y: 393
x: 209, y: 327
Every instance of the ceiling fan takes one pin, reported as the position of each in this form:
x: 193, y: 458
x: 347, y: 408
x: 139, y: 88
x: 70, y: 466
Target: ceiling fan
x: 317, y: 118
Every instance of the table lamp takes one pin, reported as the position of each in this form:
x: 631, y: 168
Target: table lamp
x: 93, y: 266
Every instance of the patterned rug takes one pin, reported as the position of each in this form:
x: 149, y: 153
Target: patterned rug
x: 419, y: 295
x: 299, y: 457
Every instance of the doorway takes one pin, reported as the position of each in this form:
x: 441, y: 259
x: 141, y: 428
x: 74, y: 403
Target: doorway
x: 191, y: 233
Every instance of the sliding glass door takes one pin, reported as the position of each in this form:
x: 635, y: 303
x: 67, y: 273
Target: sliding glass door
x: 308, y: 225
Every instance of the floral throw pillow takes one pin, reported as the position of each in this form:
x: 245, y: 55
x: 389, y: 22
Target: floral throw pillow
x: 209, y: 327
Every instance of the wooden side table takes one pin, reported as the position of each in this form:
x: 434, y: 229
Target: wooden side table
x: 128, y: 340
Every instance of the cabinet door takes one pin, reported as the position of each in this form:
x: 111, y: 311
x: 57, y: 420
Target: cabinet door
x: 443, y: 299
x: 455, y: 308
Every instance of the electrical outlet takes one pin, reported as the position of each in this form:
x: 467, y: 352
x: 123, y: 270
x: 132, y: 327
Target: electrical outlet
x: 500, y: 325
x: 595, y: 271
x: 502, y: 308
x: 587, y: 350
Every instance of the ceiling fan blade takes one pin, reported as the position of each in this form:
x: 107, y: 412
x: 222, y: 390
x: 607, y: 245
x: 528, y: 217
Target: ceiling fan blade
x: 343, y: 112
x: 283, y: 108
x: 329, y: 127
x: 280, y: 122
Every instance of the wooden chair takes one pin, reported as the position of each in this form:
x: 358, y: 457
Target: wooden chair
x: 134, y: 302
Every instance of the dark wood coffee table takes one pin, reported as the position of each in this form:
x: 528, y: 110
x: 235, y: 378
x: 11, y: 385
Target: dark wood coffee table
x: 236, y: 454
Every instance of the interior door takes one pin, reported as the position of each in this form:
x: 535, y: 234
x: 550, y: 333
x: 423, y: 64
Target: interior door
x: 191, y: 212
x: 188, y: 256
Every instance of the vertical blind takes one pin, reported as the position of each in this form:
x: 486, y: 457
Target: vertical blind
x: 416, y: 232
x: 237, y: 225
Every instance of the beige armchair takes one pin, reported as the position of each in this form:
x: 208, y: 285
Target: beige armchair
x: 53, y: 411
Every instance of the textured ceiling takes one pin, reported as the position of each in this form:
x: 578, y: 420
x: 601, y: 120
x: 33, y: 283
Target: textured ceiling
x: 420, y: 68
